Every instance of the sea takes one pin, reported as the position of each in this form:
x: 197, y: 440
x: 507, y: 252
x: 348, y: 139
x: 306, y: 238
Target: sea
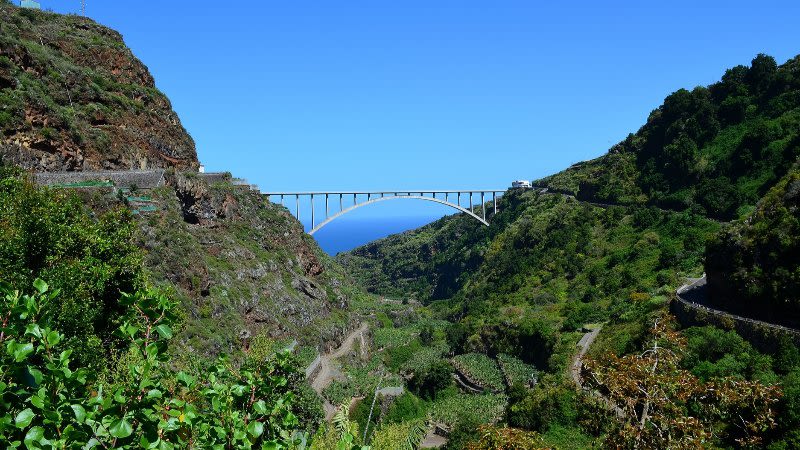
x: 346, y: 234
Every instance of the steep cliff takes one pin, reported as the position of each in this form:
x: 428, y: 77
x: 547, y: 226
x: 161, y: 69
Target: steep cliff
x: 242, y: 267
x: 74, y: 97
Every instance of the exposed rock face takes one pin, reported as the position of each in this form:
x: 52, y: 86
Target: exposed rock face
x: 243, y: 266
x: 73, y: 97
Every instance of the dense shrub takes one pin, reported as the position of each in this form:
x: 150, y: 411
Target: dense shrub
x: 713, y: 353
x: 544, y: 406
x: 428, y: 383
x: 753, y: 267
x: 90, y: 258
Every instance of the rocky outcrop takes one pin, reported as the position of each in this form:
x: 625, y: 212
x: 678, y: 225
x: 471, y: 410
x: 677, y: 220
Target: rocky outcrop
x: 243, y: 266
x: 73, y: 97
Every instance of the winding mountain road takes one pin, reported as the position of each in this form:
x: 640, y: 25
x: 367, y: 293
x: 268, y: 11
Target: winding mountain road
x: 327, y: 371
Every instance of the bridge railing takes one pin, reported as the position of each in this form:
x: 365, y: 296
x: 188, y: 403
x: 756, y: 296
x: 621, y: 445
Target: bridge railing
x: 452, y: 198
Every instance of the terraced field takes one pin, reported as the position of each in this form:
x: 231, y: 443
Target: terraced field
x: 515, y: 371
x: 480, y: 370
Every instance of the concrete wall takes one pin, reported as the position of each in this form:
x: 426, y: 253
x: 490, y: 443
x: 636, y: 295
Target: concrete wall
x: 143, y: 179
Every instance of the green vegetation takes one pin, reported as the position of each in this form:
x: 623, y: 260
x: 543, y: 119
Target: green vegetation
x: 609, y: 242
x: 90, y: 259
x: 468, y: 408
x: 714, y: 149
x: 48, y: 402
x: 516, y: 372
x: 753, y: 267
x: 430, y: 381
x: 480, y: 370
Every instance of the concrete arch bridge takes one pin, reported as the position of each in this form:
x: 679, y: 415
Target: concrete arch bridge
x: 453, y: 199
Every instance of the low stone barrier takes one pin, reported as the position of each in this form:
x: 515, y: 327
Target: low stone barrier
x: 313, y: 367
x: 762, y: 335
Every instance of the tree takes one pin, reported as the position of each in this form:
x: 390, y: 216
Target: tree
x: 90, y: 258
x: 664, y: 406
x: 436, y: 378
x: 681, y: 156
x: 504, y: 438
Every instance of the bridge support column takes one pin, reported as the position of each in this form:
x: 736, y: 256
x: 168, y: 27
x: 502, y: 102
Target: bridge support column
x: 297, y: 201
x: 327, y: 209
x: 355, y: 199
x: 341, y: 203
x: 470, y: 201
x: 494, y: 200
x: 281, y: 199
x: 459, y: 199
x: 312, y: 212
x: 483, y: 206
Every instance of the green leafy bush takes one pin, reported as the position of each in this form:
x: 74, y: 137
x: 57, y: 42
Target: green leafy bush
x: 48, y: 402
x: 428, y: 383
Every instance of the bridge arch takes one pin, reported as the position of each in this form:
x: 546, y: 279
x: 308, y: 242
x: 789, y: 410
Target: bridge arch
x: 394, y: 197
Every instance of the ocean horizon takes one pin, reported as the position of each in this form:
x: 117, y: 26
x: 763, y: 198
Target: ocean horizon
x: 346, y: 234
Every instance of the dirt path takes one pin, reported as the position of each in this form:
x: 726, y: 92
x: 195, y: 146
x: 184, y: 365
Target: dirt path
x: 583, y: 347
x: 577, y: 364
x: 433, y: 440
x: 327, y: 372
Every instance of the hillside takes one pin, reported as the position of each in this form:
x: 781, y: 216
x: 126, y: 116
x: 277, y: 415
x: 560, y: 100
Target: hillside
x: 609, y: 242
x: 717, y: 149
x: 74, y: 97
x: 243, y: 267
x: 753, y: 267
x: 643, y: 176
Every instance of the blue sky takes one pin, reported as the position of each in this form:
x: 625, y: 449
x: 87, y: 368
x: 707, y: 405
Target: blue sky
x: 313, y: 95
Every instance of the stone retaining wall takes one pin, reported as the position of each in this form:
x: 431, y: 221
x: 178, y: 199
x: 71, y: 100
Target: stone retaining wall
x: 216, y: 177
